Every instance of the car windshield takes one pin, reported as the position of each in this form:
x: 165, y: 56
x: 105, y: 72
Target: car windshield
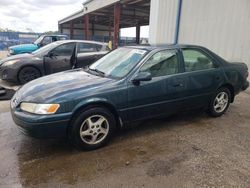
x: 118, y: 63
x: 46, y: 49
x: 38, y: 40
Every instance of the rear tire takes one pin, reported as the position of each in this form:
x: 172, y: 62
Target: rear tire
x: 92, y: 128
x: 27, y: 74
x: 220, y: 102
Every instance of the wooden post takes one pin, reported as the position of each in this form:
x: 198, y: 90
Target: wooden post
x: 117, y: 16
x: 71, y: 30
x: 93, y: 30
x: 110, y: 28
x: 86, y: 24
x: 138, y: 31
x: 60, y: 28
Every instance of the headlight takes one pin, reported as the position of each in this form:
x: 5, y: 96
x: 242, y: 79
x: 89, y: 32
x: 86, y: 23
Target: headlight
x: 11, y: 51
x: 11, y: 62
x: 39, y: 108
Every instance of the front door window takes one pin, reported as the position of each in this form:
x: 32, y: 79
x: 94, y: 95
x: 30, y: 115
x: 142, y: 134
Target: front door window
x: 162, y: 63
x: 64, y: 50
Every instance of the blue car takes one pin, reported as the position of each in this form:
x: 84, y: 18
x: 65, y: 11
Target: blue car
x: 127, y: 85
x: 40, y: 42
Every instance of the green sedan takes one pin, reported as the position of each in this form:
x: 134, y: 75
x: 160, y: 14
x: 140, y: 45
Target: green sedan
x: 127, y: 85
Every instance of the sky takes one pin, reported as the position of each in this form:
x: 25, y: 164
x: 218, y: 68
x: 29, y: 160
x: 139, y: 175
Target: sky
x: 43, y: 15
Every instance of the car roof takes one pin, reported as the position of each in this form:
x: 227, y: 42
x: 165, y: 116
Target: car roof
x: 53, y: 35
x: 164, y: 46
x: 84, y: 41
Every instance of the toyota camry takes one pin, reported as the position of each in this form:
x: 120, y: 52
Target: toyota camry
x: 127, y: 85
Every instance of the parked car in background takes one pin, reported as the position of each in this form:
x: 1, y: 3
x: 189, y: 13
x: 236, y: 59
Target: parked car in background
x: 55, y: 57
x: 40, y: 42
x: 127, y: 85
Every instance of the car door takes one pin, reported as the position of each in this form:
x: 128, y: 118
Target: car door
x: 160, y: 95
x: 203, y: 77
x: 60, y: 58
x: 88, y: 53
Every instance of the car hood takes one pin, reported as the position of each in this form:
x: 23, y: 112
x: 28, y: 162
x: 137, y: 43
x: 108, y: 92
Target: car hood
x: 18, y: 57
x: 61, y: 86
x: 24, y: 47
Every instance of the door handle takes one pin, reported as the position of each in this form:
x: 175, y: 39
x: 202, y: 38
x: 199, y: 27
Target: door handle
x: 217, y: 77
x: 178, y: 85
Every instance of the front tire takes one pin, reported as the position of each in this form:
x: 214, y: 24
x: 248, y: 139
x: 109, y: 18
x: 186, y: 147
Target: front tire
x: 92, y: 128
x: 28, y: 74
x: 220, y: 102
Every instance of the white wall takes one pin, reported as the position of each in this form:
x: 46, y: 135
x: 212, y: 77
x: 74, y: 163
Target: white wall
x: 221, y: 25
x: 162, y: 21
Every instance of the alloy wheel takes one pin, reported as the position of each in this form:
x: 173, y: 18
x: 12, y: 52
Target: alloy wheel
x: 94, y: 129
x: 221, y: 102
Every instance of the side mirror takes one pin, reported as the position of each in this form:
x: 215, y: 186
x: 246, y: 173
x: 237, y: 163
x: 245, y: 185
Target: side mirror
x: 142, y: 76
x: 50, y: 54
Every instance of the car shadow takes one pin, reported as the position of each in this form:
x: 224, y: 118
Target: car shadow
x: 47, y: 147
x: 163, y: 123
x: 57, y: 159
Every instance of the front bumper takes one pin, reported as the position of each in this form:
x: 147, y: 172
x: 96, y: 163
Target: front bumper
x: 45, y: 126
x: 8, y: 74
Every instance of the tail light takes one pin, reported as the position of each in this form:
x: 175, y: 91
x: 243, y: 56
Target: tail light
x: 246, y: 74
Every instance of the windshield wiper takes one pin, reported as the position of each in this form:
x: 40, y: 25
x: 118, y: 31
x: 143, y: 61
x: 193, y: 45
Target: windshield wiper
x: 98, y: 71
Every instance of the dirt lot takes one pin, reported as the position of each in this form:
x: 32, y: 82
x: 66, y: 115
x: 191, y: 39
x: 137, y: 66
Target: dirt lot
x: 187, y: 150
x: 3, y: 54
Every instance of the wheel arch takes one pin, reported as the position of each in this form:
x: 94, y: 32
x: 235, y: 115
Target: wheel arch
x: 28, y: 65
x: 96, y: 103
x: 231, y: 89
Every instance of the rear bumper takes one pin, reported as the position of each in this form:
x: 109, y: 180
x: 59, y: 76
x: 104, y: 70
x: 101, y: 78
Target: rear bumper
x: 35, y: 126
x: 245, y: 86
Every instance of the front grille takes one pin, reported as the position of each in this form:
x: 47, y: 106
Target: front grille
x: 15, y: 101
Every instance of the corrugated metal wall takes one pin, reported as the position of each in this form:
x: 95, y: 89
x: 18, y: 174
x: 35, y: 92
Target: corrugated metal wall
x: 221, y: 25
x: 162, y: 21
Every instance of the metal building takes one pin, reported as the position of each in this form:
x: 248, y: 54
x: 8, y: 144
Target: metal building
x: 221, y: 25
x: 102, y: 19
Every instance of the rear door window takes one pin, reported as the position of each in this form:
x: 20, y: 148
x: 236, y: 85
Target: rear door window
x: 62, y: 38
x: 195, y: 60
x: 88, y: 47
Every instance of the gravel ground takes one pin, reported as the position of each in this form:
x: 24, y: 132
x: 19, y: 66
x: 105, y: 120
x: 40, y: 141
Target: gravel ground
x: 186, y: 150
